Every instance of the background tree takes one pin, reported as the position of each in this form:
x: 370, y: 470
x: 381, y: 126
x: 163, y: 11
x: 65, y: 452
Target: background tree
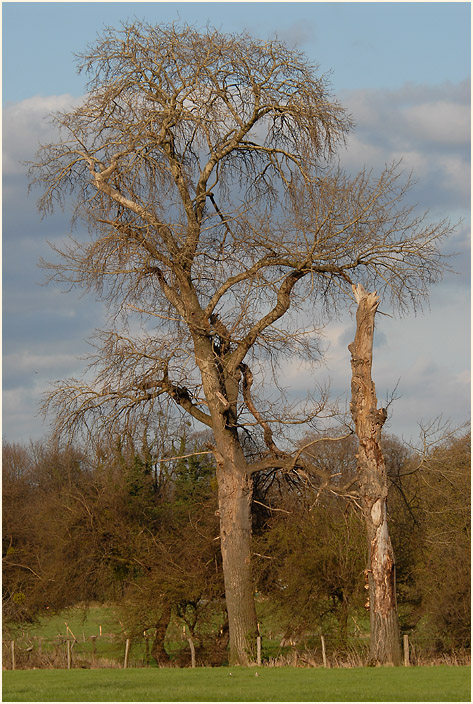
x: 178, y: 558
x: 17, y: 492
x: 78, y: 530
x: 75, y: 530
x: 51, y: 557
x: 310, y: 563
x: 430, y: 506
x: 200, y: 163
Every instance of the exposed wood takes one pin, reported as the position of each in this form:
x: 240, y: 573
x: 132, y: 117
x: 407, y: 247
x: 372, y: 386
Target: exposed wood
x: 406, y: 650
x: 373, y: 486
x: 258, y: 651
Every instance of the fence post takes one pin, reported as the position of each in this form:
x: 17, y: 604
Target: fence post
x: 69, y: 654
x: 406, y: 650
x: 127, y: 650
x: 13, y: 663
x: 94, y: 644
x: 258, y: 651
x: 324, y: 656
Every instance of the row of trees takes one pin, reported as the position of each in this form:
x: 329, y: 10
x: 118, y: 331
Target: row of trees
x: 222, y: 235
x: 118, y: 525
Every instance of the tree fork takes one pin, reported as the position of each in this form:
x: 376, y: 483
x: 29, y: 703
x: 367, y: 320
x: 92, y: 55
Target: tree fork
x: 158, y: 650
x: 373, y: 484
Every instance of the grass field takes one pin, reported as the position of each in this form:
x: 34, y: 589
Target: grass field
x: 285, y: 684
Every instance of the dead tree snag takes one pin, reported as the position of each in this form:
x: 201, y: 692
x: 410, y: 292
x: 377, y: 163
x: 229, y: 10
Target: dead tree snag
x: 373, y: 486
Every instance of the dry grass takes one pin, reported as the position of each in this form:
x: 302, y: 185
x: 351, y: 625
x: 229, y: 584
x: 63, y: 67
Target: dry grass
x: 359, y: 656
x: 462, y: 657
x: 351, y: 657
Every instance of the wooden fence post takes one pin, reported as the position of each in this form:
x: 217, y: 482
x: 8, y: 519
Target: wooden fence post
x: 13, y: 663
x: 324, y: 656
x: 127, y: 650
x: 406, y: 650
x: 258, y: 651
x: 69, y: 654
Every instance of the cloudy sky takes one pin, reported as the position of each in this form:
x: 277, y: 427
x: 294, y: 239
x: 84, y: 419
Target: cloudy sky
x: 403, y: 71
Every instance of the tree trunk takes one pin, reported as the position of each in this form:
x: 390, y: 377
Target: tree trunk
x: 158, y: 651
x: 234, y: 497
x: 234, y: 502
x: 384, y: 627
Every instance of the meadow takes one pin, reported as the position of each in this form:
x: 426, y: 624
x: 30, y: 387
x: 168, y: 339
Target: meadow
x: 441, y: 683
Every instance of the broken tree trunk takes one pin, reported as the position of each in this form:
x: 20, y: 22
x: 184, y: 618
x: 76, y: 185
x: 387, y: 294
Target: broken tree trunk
x: 373, y: 484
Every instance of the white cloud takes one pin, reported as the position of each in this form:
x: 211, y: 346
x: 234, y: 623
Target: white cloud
x: 427, y: 128
x: 27, y: 361
x: 441, y: 122
x: 28, y: 372
x: 25, y: 125
x: 21, y: 419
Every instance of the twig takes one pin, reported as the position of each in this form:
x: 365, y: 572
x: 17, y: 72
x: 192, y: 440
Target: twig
x: 271, y: 509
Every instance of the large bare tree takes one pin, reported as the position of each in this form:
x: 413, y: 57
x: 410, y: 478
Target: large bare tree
x: 201, y: 162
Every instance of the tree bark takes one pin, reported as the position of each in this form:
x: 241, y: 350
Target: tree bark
x: 384, y: 627
x: 234, y: 503
x: 234, y: 494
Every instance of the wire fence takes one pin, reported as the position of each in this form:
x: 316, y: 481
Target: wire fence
x: 110, y: 650
x: 62, y: 652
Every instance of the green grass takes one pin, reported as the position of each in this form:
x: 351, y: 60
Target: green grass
x: 440, y: 683
x: 81, y: 620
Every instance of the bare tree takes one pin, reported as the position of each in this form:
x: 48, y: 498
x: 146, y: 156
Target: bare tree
x: 201, y: 163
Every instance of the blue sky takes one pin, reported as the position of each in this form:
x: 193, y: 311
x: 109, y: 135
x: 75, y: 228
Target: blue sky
x: 402, y: 70
x: 365, y: 44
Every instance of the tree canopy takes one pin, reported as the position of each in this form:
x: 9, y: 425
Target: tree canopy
x: 201, y: 163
